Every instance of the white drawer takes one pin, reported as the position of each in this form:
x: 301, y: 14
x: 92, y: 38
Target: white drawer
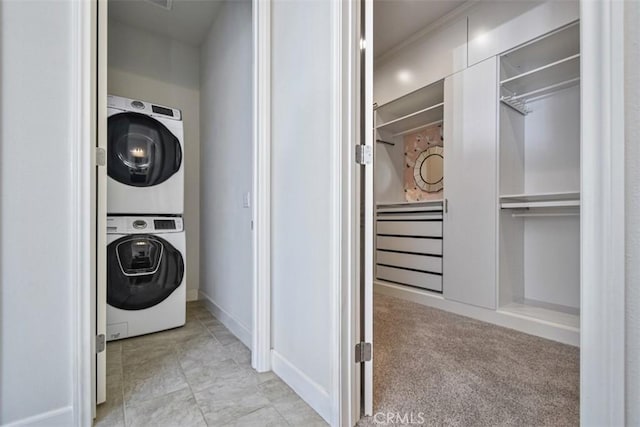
x: 410, y: 228
x: 409, y: 244
x: 418, y: 262
x: 409, y: 216
x: 432, y: 282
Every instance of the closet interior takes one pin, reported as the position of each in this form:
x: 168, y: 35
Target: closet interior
x: 539, y: 178
x: 477, y: 166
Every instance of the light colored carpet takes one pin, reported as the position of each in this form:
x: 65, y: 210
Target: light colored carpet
x: 458, y: 371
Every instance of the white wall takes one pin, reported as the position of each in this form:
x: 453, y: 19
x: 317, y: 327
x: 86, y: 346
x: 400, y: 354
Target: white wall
x: 389, y: 176
x: 632, y: 183
x: 226, y: 166
x: 35, y: 211
x: 158, y: 69
x: 302, y: 198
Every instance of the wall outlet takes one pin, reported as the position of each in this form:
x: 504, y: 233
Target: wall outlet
x: 246, y: 200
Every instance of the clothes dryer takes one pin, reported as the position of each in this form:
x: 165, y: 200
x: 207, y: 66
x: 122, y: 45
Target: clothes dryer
x: 145, y: 165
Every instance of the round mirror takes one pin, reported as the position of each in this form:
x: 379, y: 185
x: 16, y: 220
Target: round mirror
x: 428, y: 170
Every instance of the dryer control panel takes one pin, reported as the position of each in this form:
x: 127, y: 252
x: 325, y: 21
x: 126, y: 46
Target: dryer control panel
x: 144, y: 224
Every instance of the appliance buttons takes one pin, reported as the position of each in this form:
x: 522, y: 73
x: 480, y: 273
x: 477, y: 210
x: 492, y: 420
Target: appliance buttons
x: 137, y: 104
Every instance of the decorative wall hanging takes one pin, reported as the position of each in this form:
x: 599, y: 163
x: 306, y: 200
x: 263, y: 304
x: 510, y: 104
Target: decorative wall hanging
x: 424, y: 158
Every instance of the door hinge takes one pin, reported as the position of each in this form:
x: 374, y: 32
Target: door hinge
x: 101, y: 156
x: 363, y: 352
x: 101, y: 343
x: 364, y: 154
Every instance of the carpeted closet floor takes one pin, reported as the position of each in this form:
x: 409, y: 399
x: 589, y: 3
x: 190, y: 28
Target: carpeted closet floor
x: 445, y: 369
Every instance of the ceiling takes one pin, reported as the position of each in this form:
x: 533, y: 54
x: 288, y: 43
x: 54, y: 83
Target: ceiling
x: 397, y: 20
x: 188, y: 21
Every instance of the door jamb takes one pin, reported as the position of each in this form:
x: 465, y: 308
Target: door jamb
x: 82, y: 162
x: 602, y: 320
x: 261, y: 331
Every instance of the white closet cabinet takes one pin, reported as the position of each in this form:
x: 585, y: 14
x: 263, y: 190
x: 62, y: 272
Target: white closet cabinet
x: 470, y: 165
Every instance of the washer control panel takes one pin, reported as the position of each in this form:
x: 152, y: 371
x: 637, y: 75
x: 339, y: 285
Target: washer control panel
x: 144, y: 224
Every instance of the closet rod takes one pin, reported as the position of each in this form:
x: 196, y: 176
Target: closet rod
x: 544, y: 89
x: 518, y: 106
x: 549, y: 214
x: 385, y: 142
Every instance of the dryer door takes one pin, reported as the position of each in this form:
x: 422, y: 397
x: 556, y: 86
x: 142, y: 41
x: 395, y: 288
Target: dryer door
x: 143, y: 270
x: 142, y: 151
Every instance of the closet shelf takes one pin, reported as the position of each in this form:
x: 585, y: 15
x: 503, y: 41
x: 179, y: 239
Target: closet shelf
x: 427, y: 205
x: 540, y: 200
x: 544, y: 80
x: 415, y: 120
x: 561, y: 43
x: 410, y: 103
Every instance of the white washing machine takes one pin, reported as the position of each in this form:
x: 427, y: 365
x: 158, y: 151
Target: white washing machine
x: 145, y: 146
x: 146, y: 286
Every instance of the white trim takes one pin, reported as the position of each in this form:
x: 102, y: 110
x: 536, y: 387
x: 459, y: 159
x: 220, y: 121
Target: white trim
x: 261, y: 340
x: 80, y: 413
x: 537, y: 327
x: 602, y: 361
x: 310, y: 391
x: 347, y: 394
x: 340, y: 42
x: 236, y: 327
x: 192, y: 294
x: 58, y: 417
x: 367, y: 214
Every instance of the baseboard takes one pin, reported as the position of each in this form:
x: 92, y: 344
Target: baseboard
x: 528, y: 325
x: 58, y: 417
x: 310, y: 391
x: 192, y: 294
x: 238, y: 329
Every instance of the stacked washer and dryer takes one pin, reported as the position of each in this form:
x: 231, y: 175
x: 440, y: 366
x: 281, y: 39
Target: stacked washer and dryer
x: 146, y: 287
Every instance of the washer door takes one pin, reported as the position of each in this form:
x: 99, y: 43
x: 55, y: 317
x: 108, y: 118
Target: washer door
x: 142, y: 151
x: 142, y: 271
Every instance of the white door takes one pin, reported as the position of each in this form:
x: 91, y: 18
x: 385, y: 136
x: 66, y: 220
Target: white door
x: 99, y: 187
x: 470, y: 167
x: 367, y: 206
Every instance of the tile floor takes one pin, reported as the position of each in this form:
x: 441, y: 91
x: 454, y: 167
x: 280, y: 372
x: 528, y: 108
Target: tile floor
x: 196, y: 375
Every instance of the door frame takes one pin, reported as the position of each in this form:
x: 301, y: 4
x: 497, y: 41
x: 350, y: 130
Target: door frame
x: 83, y: 40
x: 261, y: 330
x: 602, y: 234
x: 602, y: 367
x: 84, y: 72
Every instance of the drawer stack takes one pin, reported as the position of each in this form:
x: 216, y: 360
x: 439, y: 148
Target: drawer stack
x: 409, y: 245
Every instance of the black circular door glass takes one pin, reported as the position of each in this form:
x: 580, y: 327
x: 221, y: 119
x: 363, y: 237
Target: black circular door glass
x: 142, y: 271
x: 142, y: 151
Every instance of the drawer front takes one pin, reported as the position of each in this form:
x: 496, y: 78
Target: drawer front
x: 417, y: 262
x: 432, y: 282
x: 409, y: 244
x: 410, y: 228
x: 400, y: 216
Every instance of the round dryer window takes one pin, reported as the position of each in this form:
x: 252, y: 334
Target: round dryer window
x: 142, y: 271
x: 142, y: 151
